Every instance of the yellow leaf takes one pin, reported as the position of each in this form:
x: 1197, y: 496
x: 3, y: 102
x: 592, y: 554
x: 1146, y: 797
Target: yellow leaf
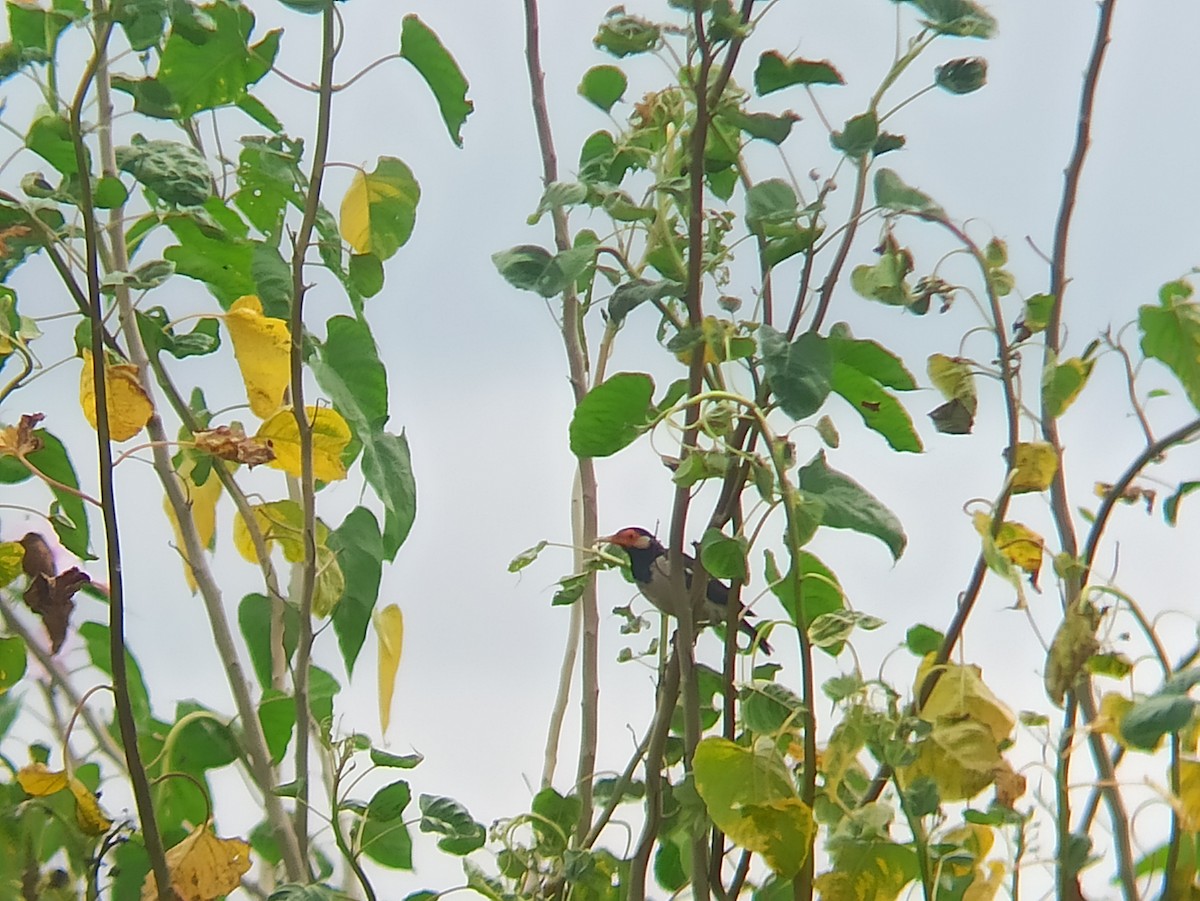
x: 1034, y: 467
x: 39, y: 781
x: 263, y: 347
x: 389, y: 626
x: 12, y: 554
x: 1113, y: 707
x: 986, y: 885
x: 954, y: 378
x: 1073, y: 643
x: 1188, y: 802
x: 379, y: 209
x: 975, y: 840
x: 203, y: 867
x: 203, y: 501
x: 961, y: 758
x: 330, y: 435
x: 88, y: 815
x: 1018, y: 544
x: 281, y: 522
x: 129, y: 409
x: 960, y: 694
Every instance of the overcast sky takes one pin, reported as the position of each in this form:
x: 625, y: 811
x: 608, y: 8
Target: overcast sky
x: 477, y: 372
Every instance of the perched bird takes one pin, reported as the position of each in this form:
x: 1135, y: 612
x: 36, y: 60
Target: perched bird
x: 648, y: 560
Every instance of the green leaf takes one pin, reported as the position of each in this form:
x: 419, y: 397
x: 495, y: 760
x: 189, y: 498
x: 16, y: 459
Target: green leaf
x: 95, y: 637
x: 35, y: 30
x: 1171, y: 504
x: 770, y: 204
x: 49, y: 137
x: 254, y: 619
x: 175, y: 172
x: 398, y: 761
x: 765, y: 126
x: 921, y: 639
x: 858, y: 136
x: 769, y: 708
x: 570, y: 589
x: 366, y: 273
x: 775, y: 73
x: 293, y: 891
x: 836, y: 627
x: 277, y: 716
x: 893, y: 194
x: 13, y: 659
x: 421, y: 47
x: 1062, y: 383
x: 612, y: 415
x: 1037, y: 315
x: 142, y: 20
x: 383, y: 835
x: 269, y: 178
x: 555, y: 820
x: 625, y: 35
x: 1171, y: 334
x: 201, y: 74
x: 723, y: 557
x: 850, y: 506
x: 559, y: 195
x: 603, y: 86
x: 860, y: 370
x: 526, y: 557
x: 870, y: 358
x: 387, y: 467
x: 810, y: 581
x: 358, y: 544
x: 629, y: 295
x: 380, y: 208
x: 962, y: 76
x: 159, y: 335
x: 212, y: 255
x: 750, y: 797
x: 799, y: 373
x: 531, y: 268
x: 446, y: 817
x: 272, y: 279
x: 203, y: 744
x: 348, y: 369
x: 1153, y: 717
x: 68, y: 514
x: 322, y: 689
x: 959, y: 18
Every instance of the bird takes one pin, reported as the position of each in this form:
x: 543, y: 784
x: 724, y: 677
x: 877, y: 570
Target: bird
x: 648, y: 561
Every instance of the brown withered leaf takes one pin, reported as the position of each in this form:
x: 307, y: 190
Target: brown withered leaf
x: 19, y: 440
x: 50, y: 597
x: 1010, y: 785
x: 232, y: 443
x: 1130, y: 495
x: 13, y: 231
x: 39, y: 558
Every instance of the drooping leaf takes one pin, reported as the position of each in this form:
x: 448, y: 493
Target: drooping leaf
x: 1034, y: 466
x: 461, y: 834
x: 254, y: 620
x: 387, y: 467
x: 175, y: 172
x: 962, y: 76
x: 850, y: 506
x: 129, y: 407
x: 858, y: 136
x: 624, y: 35
x: 383, y: 835
x: 263, y: 347
x: 612, y: 415
x: 861, y: 369
x: 1062, y: 383
x: 959, y: 18
x: 1073, y: 643
x: 202, y: 502
x: 1150, y: 719
x: 389, y: 628
x: 358, y: 544
x: 203, y: 867
x: 421, y: 47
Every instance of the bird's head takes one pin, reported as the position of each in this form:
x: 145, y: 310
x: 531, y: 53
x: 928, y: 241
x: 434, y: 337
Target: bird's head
x: 634, y: 538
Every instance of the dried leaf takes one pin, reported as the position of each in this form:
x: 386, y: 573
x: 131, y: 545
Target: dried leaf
x: 389, y: 626
x: 231, y: 443
x: 19, y: 440
x: 39, y: 558
x: 50, y: 597
x: 330, y: 435
x: 1130, y: 495
x: 129, y: 408
x: 263, y: 347
x: 203, y: 867
x: 1073, y: 643
x: 40, y: 781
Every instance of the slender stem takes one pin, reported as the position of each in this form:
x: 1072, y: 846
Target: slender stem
x: 825, y: 295
x: 308, y: 581
x: 660, y: 728
x: 1067, y: 878
x: 108, y: 497
x: 584, y: 519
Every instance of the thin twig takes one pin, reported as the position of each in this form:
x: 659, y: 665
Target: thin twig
x: 304, y: 602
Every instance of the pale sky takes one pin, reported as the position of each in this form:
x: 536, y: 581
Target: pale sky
x: 477, y: 373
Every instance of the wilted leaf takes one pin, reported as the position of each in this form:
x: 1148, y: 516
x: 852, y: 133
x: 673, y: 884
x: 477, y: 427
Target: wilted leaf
x: 129, y: 409
x: 330, y: 435
x: 282, y: 522
x: 954, y: 378
x: 203, y: 867
x: 20, y: 440
x: 263, y: 347
x: 892, y: 193
x: 775, y: 73
x: 231, y: 443
x: 847, y: 505
x: 50, y: 597
x: 960, y: 757
x: 1074, y: 642
x: 39, y: 781
x: 389, y: 627
x: 1062, y: 382
x: 1019, y: 545
x: 960, y: 693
